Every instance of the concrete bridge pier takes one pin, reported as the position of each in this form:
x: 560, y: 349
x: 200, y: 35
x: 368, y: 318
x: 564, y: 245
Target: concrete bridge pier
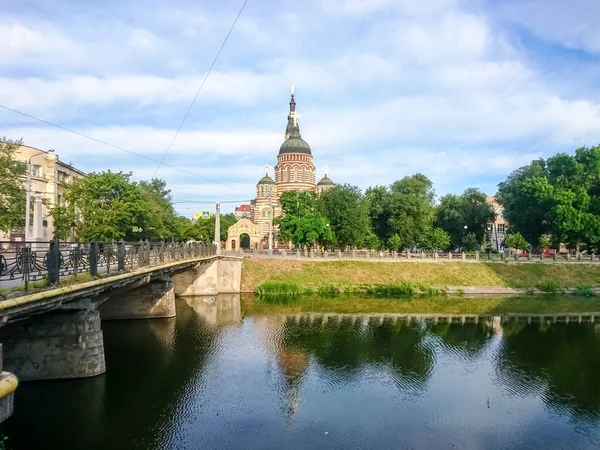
x: 155, y: 300
x: 221, y: 276
x: 66, y: 343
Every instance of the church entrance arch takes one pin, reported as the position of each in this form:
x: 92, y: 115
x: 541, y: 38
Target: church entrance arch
x: 240, y: 228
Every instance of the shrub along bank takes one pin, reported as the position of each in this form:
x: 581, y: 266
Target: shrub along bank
x: 353, y: 276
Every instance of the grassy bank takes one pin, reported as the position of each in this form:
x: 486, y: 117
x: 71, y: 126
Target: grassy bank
x: 254, y: 305
x: 354, y: 275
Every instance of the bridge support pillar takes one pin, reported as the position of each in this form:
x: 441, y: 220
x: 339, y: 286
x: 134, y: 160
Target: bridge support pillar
x: 222, y: 276
x: 155, y: 300
x: 55, y: 345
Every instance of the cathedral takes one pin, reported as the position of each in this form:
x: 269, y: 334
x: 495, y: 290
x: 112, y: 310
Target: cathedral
x: 294, y: 171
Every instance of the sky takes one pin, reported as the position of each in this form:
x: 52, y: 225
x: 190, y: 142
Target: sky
x: 461, y: 91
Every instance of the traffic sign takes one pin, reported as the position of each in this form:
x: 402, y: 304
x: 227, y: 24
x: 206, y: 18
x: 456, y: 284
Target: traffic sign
x: 137, y: 229
x: 197, y: 215
x: 205, y: 214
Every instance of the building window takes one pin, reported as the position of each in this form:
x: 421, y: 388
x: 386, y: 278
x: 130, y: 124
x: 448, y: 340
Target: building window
x: 63, y: 177
x: 287, y: 174
x: 36, y: 170
x: 500, y: 228
x: 295, y: 174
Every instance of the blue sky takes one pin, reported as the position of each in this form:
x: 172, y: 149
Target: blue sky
x: 462, y: 91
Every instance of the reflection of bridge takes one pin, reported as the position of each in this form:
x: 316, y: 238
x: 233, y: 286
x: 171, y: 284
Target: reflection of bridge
x: 338, y: 318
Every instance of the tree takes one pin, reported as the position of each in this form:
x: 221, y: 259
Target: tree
x: 12, y: 186
x: 158, y: 218
x: 523, y: 209
x: 302, y: 223
x: 470, y: 242
x: 347, y: 212
x: 470, y: 209
x: 559, y: 197
x: 516, y: 241
x: 378, y: 201
x: 435, y: 239
x: 411, y: 209
x: 103, y: 206
x: 394, y: 242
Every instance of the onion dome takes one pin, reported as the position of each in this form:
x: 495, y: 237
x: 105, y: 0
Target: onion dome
x: 293, y: 140
x: 266, y: 180
x: 325, y: 181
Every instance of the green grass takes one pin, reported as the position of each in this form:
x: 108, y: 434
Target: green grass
x: 350, y: 275
x: 328, y: 289
x: 359, y: 304
x: 392, y: 290
x: 279, y: 289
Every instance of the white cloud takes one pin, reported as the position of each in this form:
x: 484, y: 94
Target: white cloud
x: 573, y: 24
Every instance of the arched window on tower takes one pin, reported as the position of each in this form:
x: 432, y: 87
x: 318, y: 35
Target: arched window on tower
x: 295, y: 175
x: 287, y: 174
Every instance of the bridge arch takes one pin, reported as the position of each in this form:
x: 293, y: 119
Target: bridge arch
x: 243, y: 226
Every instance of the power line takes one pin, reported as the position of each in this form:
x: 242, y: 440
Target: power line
x: 111, y: 145
x: 201, y: 85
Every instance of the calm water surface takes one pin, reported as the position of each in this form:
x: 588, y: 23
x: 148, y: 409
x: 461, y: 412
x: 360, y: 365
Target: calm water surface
x: 215, y: 377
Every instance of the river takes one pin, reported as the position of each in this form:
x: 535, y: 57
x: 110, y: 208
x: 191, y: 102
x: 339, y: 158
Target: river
x: 226, y: 375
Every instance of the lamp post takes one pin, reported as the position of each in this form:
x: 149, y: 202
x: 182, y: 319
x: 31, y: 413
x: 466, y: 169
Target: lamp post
x: 28, y: 189
x: 464, y: 237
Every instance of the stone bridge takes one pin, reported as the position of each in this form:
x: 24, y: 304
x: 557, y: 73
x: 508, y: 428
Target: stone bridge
x: 56, y: 333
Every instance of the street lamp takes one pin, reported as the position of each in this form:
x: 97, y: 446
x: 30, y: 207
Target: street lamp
x: 28, y: 189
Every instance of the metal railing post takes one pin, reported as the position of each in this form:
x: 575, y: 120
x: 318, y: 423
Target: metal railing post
x: 53, y: 262
x: 25, y: 261
x: 94, y: 258
x: 121, y: 256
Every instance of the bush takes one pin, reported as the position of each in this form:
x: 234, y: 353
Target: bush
x: 549, y: 286
x: 585, y: 291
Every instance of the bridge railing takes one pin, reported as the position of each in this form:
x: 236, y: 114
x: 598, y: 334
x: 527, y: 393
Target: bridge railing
x: 26, y: 262
x: 413, y: 255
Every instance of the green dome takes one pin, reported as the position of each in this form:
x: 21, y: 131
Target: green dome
x: 266, y: 180
x: 294, y: 145
x: 325, y: 181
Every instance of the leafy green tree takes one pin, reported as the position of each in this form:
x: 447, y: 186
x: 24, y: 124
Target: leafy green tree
x: 435, y: 239
x: 158, y: 218
x: 378, y: 201
x: 516, y: 241
x: 411, y: 208
x: 470, y: 209
x: 302, y: 222
x: 394, y: 242
x: 524, y: 209
x: 103, y: 206
x: 12, y: 186
x: 347, y: 212
x: 559, y: 197
x: 470, y: 243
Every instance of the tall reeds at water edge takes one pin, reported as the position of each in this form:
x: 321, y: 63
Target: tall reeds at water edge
x: 280, y: 289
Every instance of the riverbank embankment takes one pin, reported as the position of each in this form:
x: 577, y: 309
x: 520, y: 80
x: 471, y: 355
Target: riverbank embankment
x: 456, y: 277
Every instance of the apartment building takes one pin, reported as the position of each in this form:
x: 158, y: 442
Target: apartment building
x: 48, y: 174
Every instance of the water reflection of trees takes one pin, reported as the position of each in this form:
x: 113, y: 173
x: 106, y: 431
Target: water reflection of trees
x: 466, y: 340
x: 344, y: 348
x: 561, y: 360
